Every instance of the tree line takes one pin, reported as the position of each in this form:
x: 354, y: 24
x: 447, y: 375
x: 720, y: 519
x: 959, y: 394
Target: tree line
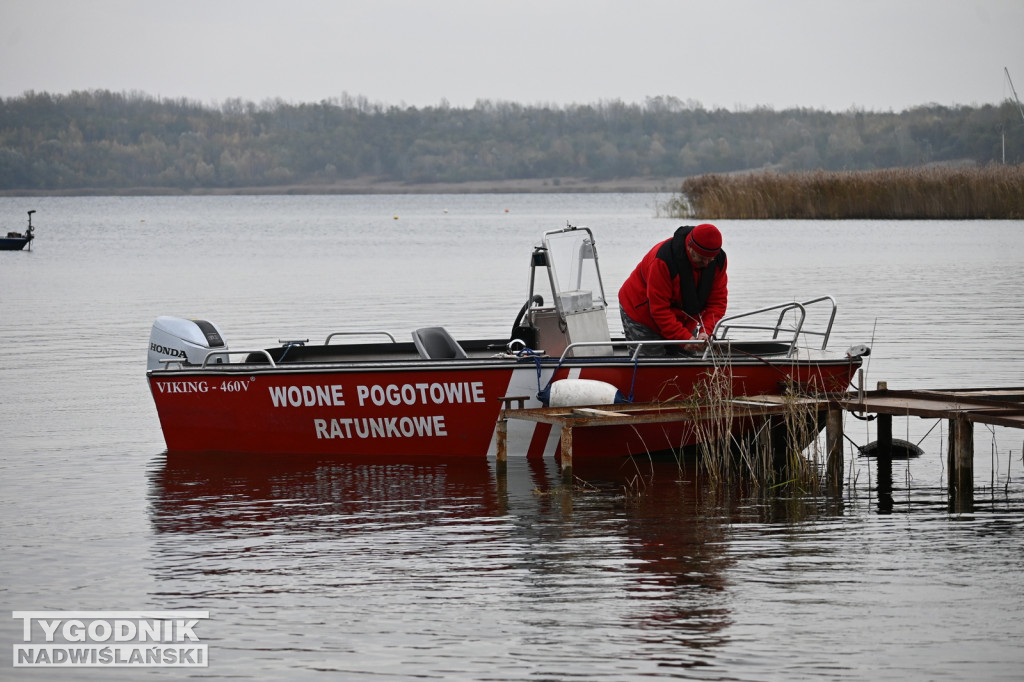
x: 113, y: 141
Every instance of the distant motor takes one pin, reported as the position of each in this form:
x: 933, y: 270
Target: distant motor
x: 861, y: 350
x: 174, y: 338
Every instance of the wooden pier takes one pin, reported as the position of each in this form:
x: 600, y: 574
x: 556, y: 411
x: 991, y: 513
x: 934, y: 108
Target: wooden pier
x: 962, y: 407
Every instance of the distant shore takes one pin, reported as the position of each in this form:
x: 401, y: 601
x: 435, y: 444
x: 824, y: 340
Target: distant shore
x: 376, y: 186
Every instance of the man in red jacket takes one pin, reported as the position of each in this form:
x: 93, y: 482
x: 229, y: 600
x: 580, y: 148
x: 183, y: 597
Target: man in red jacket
x: 678, y: 291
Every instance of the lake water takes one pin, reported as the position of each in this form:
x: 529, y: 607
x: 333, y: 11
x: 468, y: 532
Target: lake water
x: 441, y: 570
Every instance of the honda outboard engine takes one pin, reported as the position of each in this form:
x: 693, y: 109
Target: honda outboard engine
x: 186, y: 340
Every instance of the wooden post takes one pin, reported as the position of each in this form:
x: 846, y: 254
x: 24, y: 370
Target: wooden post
x: 501, y: 486
x: 501, y: 431
x: 884, y: 436
x: 778, y: 438
x: 961, y: 463
x: 834, y: 449
x: 883, y: 464
x: 502, y: 442
x: 566, y: 452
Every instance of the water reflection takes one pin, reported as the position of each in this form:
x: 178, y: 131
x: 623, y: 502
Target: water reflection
x: 639, y: 567
x: 628, y: 563
x: 191, y: 493
x: 433, y: 561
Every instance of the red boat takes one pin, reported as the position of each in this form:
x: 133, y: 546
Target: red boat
x: 438, y: 396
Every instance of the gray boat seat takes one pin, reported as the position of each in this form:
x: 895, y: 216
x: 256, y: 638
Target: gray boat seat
x: 435, y: 343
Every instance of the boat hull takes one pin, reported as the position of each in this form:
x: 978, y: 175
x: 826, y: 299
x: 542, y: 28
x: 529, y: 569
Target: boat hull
x: 13, y: 243
x: 448, y: 408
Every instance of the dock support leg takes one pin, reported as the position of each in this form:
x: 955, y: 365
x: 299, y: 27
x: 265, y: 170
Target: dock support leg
x: 961, y: 463
x: 778, y: 438
x: 566, y: 453
x: 502, y: 443
x: 834, y: 449
x: 884, y: 436
x: 883, y: 463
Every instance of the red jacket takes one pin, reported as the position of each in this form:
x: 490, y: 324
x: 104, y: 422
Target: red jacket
x: 653, y: 296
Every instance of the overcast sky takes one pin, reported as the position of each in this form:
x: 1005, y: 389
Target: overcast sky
x: 877, y: 55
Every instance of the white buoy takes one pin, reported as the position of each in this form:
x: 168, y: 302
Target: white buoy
x: 573, y: 392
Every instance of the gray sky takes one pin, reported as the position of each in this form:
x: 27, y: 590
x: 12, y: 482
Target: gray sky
x: 877, y: 55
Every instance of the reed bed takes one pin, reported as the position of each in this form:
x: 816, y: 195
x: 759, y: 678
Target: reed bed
x: 993, y: 192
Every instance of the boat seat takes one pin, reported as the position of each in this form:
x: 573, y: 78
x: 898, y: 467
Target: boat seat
x: 435, y: 343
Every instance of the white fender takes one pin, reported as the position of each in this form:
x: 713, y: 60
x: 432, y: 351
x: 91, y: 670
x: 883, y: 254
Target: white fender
x: 572, y: 392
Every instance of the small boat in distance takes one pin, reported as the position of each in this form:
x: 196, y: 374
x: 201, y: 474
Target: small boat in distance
x: 439, y: 396
x: 16, y: 241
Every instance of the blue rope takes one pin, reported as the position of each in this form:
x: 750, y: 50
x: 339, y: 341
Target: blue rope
x: 544, y: 394
x: 288, y: 347
x: 632, y: 384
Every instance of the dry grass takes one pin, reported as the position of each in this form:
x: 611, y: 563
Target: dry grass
x: 994, y: 192
x: 781, y: 454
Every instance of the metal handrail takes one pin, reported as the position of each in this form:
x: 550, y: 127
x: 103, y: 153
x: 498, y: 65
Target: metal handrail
x: 721, y: 330
x: 621, y: 342
x: 725, y: 325
x: 361, y: 332
x: 237, y: 352
x: 653, y: 342
x: 831, y: 319
x: 581, y: 344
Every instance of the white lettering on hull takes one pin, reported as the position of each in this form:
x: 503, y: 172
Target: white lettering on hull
x: 394, y: 395
x: 380, y: 427
x: 227, y: 386
x: 183, y: 387
x: 421, y: 394
x: 308, y: 396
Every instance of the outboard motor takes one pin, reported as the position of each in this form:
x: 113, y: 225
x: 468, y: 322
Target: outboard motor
x: 186, y: 340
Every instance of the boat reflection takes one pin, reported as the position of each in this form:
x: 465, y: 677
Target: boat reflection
x: 191, y: 493
x: 661, y: 503
x: 645, y: 539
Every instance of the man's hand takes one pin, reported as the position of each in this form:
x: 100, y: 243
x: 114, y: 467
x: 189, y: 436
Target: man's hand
x: 695, y: 345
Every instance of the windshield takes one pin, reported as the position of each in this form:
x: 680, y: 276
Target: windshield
x: 572, y: 264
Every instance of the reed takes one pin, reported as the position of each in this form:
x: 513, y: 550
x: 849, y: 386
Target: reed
x: 782, y: 454
x: 992, y: 192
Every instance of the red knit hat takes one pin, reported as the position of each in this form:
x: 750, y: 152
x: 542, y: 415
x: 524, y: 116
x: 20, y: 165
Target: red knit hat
x: 705, y: 239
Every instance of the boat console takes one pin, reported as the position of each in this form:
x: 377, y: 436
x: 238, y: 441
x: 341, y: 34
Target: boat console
x: 567, y: 259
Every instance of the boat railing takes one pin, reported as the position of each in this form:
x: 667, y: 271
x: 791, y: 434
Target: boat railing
x: 261, y: 351
x: 635, y: 346
x: 361, y: 332
x: 181, y: 362
x: 779, y: 329
x: 593, y: 344
x: 785, y: 335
